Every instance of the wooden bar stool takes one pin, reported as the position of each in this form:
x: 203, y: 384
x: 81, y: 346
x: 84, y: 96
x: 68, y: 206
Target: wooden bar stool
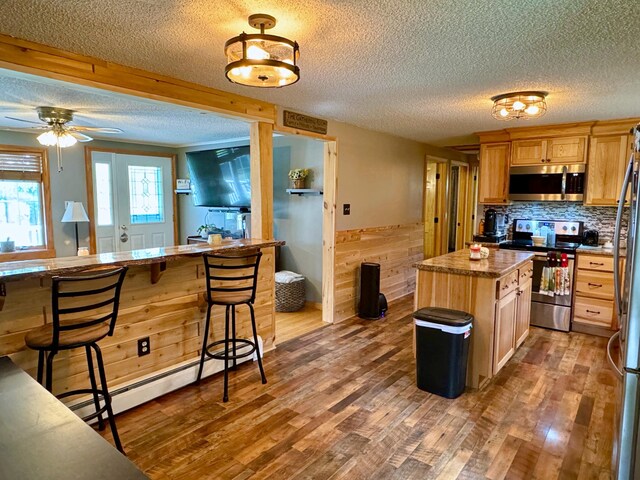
x: 231, y: 281
x: 84, y: 311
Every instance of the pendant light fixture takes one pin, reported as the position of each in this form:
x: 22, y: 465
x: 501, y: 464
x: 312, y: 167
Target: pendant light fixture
x: 519, y: 105
x: 260, y: 59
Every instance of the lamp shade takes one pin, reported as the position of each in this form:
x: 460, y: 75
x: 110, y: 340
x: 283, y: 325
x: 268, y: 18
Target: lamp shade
x: 75, y: 213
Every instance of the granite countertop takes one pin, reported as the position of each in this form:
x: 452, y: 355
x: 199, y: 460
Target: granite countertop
x: 65, y: 265
x: 601, y: 251
x: 499, y: 263
x: 484, y: 244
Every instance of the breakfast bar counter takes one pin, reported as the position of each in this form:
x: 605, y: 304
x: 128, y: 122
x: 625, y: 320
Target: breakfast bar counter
x: 495, y: 290
x: 162, y: 301
x: 67, y: 265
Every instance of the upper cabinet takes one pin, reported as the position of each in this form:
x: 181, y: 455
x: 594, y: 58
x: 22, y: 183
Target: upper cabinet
x: 494, y: 172
x: 608, y: 156
x: 558, y: 150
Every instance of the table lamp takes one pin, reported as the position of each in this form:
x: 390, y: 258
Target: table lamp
x: 75, y: 213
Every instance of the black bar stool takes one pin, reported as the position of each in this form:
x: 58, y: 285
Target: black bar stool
x: 240, y: 274
x: 75, y: 323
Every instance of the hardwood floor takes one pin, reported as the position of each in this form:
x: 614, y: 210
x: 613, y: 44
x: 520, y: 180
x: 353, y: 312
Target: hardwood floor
x: 295, y: 324
x: 341, y: 403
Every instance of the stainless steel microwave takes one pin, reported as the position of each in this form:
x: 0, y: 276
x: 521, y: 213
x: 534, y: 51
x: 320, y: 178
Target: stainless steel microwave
x: 547, y: 183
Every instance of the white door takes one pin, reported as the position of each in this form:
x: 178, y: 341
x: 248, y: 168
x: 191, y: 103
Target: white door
x: 133, y: 203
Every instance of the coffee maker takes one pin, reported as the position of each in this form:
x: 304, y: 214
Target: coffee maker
x: 494, y: 227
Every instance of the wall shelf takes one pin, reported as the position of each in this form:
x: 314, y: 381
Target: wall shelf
x: 304, y: 191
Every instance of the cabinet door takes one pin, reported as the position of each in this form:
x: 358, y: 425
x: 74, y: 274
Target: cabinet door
x: 528, y: 152
x: 567, y: 150
x: 494, y: 173
x: 607, y: 163
x: 523, y: 313
x: 504, y: 335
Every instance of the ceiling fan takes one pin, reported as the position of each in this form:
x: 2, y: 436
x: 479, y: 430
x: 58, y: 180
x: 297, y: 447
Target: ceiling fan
x: 58, y: 133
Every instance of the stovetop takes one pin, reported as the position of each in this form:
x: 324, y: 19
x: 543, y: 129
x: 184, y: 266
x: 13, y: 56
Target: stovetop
x: 567, y: 247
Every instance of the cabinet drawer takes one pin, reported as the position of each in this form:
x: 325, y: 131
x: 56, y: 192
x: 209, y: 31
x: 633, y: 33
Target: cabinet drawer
x: 593, y: 312
x: 600, y: 263
x: 525, y: 273
x: 595, y: 284
x: 508, y: 284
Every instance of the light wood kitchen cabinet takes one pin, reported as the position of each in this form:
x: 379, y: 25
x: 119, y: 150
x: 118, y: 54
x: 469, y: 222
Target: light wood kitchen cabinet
x: 608, y: 156
x: 594, y: 304
x: 494, y: 173
x: 557, y: 150
x: 523, y: 315
x: 528, y: 152
x: 513, y: 315
x: 504, y: 346
x: 567, y: 150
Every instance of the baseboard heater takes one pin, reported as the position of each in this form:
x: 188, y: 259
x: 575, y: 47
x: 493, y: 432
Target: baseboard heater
x: 141, y: 391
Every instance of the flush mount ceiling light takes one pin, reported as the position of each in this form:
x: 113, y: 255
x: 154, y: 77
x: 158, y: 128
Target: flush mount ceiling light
x: 519, y: 105
x: 262, y: 60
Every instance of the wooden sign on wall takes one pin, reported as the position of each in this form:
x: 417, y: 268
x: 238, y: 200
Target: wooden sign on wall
x: 304, y: 122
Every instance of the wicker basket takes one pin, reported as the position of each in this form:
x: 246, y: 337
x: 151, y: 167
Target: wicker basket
x: 290, y: 296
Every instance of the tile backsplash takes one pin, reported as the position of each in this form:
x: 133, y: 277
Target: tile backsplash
x: 602, y: 219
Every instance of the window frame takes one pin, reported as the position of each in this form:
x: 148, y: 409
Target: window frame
x: 47, y: 250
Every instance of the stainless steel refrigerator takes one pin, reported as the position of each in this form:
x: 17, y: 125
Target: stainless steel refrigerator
x: 626, y: 359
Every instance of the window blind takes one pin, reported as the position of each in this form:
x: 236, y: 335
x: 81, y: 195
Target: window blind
x: 20, y: 165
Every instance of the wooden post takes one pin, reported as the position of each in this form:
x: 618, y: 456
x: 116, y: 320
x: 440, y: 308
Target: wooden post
x: 329, y: 230
x: 261, y: 145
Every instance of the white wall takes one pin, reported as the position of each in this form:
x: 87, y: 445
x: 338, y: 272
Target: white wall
x: 69, y: 184
x: 381, y: 176
x: 298, y: 219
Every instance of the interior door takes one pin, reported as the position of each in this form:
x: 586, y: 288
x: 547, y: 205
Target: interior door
x: 133, y: 204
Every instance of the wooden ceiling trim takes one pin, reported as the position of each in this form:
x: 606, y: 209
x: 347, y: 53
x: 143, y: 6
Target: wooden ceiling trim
x: 34, y: 58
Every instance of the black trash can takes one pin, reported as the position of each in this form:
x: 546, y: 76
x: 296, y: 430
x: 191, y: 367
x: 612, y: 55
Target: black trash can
x: 442, y: 350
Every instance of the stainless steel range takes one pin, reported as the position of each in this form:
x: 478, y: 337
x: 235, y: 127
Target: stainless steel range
x: 549, y: 311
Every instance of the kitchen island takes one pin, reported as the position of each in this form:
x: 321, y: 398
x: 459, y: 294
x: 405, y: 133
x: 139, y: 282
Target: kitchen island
x: 495, y: 290
x: 162, y: 300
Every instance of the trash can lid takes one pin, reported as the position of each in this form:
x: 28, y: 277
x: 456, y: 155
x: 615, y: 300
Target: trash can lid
x: 444, y: 316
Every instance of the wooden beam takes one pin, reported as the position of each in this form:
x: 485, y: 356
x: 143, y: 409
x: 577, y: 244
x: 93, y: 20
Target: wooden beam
x: 261, y: 147
x: 37, y: 59
x: 329, y: 230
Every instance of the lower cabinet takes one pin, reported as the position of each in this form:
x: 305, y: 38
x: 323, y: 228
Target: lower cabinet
x: 523, y: 314
x: 513, y: 314
x: 504, y: 346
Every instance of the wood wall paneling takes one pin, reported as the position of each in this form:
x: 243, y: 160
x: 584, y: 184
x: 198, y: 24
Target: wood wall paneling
x: 396, y: 248
x: 170, y: 312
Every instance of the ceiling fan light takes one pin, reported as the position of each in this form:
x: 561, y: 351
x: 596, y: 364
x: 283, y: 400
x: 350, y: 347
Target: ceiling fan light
x: 48, y: 138
x: 262, y: 60
x: 66, y: 140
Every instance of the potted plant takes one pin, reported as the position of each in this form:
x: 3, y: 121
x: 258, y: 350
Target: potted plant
x: 206, y: 229
x: 297, y: 176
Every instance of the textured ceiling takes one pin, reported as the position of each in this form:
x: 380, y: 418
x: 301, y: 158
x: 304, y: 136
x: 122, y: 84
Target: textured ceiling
x: 144, y: 121
x: 416, y: 68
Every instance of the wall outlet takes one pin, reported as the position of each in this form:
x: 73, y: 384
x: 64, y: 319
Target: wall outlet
x: 346, y: 209
x: 144, y: 346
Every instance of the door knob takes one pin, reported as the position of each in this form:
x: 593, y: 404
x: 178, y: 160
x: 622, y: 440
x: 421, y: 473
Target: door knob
x: 124, y: 237
x: 123, y: 227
